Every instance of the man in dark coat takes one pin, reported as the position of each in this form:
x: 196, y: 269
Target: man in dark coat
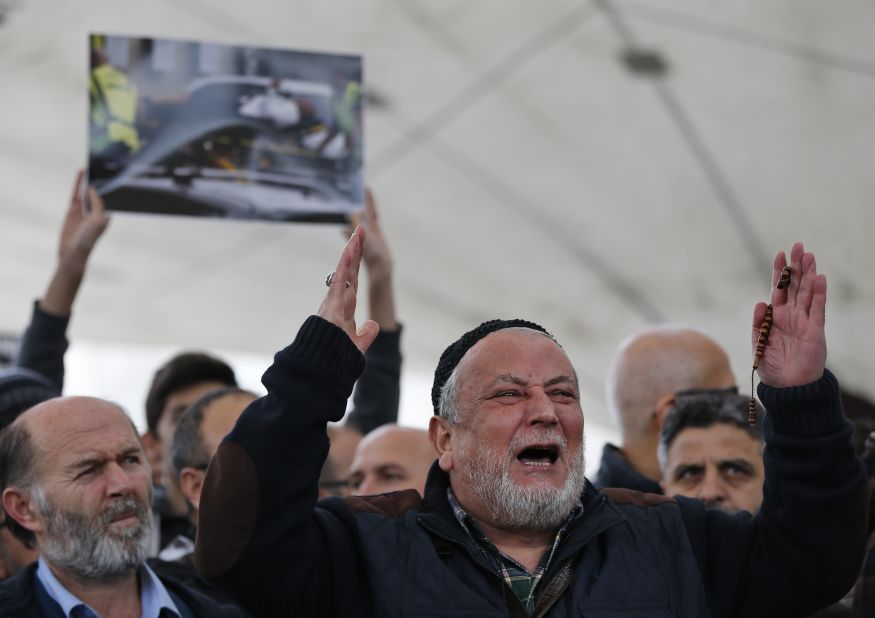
x: 508, y: 524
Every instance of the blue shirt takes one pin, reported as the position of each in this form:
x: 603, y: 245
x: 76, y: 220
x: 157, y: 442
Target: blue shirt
x: 153, y: 595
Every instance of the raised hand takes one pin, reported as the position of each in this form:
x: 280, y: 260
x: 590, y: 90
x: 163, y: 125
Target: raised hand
x: 81, y: 230
x: 796, y: 349
x: 378, y: 265
x: 339, y: 304
x: 79, y: 234
x: 376, y: 254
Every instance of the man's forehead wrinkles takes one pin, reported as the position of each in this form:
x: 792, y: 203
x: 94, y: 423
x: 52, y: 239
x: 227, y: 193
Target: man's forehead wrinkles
x: 517, y: 379
x: 509, y: 377
x: 91, y: 451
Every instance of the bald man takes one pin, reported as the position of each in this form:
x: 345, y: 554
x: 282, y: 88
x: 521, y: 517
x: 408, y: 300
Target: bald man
x: 649, y: 368
x: 196, y: 438
x: 391, y: 458
x: 76, y: 484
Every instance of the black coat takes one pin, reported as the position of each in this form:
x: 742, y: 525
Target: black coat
x: 263, y: 536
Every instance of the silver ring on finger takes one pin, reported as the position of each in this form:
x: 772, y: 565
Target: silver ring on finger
x: 330, y: 278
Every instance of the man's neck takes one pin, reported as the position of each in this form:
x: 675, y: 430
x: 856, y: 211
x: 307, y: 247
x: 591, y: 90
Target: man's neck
x: 641, y: 455
x: 117, y: 598
x: 525, y: 546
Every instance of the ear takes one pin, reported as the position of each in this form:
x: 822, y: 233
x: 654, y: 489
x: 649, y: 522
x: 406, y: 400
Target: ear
x: 153, y: 456
x: 191, y: 482
x: 663, y: 407
x: 440, y: 432
x: 19, y: 506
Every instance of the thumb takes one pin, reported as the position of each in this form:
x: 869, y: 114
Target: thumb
x: 366, y: 334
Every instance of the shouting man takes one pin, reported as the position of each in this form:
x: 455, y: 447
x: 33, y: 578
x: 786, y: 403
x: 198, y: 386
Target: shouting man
x: 507, y: 524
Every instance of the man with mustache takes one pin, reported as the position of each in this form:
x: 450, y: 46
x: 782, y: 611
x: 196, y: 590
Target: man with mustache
x: 76, y: 484
x: 507, y: 524
x: 708, y: 450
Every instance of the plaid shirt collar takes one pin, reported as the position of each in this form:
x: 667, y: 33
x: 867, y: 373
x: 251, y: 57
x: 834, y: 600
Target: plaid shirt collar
x: 515, y: 575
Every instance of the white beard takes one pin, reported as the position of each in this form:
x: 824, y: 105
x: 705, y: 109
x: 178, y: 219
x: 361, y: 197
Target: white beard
x: 512, y: 506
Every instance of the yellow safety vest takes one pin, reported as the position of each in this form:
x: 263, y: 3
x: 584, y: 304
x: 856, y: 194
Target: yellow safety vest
x: 113, y: 108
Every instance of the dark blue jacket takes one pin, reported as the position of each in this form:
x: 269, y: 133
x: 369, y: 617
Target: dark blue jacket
x: 263, y: 536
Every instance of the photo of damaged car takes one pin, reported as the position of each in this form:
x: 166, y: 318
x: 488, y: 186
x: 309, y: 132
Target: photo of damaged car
x: 240, y: 146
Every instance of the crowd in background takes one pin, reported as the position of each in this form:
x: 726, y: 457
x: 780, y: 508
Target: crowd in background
x: 101, y: 521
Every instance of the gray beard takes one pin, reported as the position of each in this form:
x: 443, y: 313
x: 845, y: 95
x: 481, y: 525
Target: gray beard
x: 86, y: 548
x: 530, y: 508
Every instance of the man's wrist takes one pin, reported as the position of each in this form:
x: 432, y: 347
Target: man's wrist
x: 807, y: 409
x: 72, y: 269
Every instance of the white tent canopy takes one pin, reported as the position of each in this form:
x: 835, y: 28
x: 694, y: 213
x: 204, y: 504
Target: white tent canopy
x: 522, y: 170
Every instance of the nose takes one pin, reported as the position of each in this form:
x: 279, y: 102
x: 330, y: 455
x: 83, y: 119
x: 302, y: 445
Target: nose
x: 711, y: 491
x: 118, y: 480
x: 541, y: 409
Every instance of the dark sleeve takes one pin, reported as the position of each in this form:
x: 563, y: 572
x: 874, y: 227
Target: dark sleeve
x: 43, y: 345
x: 260, y: 535
x: 868, y: 458
x: 377, y: 392
x: 803, y: 550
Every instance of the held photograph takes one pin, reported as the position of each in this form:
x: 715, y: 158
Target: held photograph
x: 205, y: 129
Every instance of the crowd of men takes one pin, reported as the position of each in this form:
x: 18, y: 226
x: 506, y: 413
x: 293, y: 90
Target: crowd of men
x: 231, y: 504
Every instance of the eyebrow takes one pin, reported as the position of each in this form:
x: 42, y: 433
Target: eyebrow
x: 507, y: 377
x: 85, y: 463
x: 681, y: 469
x: 561, y: 380
x: 93, y: 460
x: 738, y: 463
x: 391, y: 467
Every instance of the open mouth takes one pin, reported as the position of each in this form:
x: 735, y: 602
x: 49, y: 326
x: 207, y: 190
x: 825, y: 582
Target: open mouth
x: 539, y: 455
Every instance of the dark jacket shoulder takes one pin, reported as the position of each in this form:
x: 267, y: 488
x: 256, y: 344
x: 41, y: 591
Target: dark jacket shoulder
x: 392, y: 504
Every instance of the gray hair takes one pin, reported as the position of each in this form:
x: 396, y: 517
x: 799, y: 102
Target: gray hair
x: 448, y: 404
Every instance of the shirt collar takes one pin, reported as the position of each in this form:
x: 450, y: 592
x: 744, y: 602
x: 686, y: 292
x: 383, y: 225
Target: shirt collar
x: 153, y: 595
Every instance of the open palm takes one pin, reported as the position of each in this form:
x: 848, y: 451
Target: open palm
x: 796, y: 349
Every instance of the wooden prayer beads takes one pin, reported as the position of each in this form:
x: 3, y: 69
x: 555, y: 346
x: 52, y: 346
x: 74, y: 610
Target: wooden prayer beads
x: 784, y: 281
x: 762, y: 341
